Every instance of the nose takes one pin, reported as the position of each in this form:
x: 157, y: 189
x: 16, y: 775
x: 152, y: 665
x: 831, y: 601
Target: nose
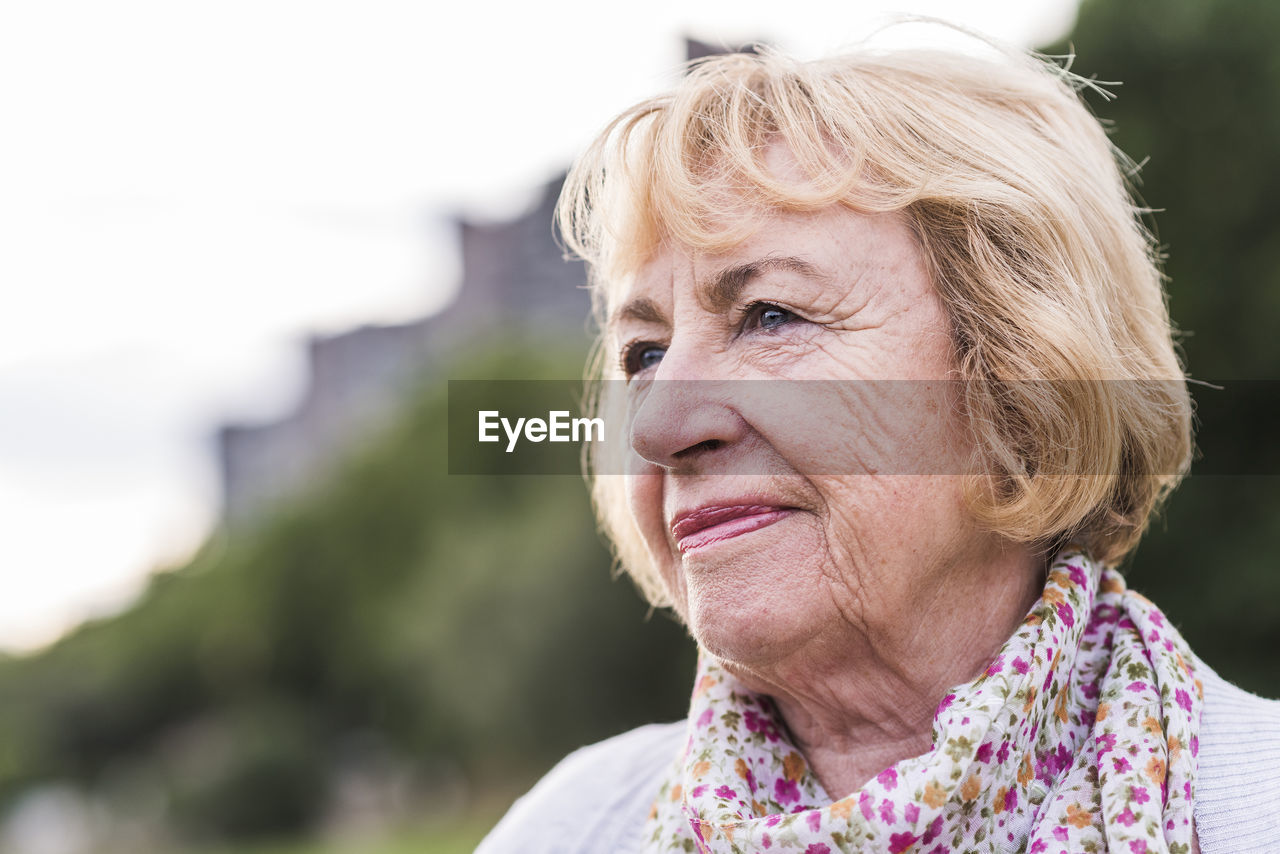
x: 684, y: 414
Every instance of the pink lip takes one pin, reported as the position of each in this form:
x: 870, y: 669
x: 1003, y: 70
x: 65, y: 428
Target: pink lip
x: 718, y: 522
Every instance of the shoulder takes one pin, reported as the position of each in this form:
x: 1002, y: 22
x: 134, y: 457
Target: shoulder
x: 1238, y: 781
x: 595, y: 800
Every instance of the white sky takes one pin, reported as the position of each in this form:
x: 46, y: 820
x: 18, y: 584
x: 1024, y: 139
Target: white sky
x: 188, y: 189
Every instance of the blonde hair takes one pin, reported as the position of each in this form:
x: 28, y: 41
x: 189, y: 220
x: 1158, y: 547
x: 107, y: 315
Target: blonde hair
x: 1022, y: 208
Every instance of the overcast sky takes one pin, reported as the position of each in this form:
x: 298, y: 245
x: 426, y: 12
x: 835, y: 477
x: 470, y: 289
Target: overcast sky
x: 188, y: 189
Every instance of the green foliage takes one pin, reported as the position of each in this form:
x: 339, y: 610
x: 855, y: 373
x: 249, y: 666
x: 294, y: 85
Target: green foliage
x: 262, y: 774
x: 457, y: 835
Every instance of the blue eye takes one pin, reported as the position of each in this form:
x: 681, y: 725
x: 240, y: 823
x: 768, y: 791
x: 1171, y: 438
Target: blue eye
x: 767, y: 316
x: 641, y: 356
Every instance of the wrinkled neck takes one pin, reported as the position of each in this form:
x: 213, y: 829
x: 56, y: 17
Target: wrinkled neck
x: 863, y: 698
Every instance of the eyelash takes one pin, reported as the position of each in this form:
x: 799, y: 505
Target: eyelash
x: 752, y: 311
x: 628, y: 358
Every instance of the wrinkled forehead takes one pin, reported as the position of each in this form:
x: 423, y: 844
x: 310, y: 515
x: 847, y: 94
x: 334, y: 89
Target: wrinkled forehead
x: 650, y: 234
x: 818, y: 257
x: 716, y: 281
x: 717, y: 209
x: 645, y: 272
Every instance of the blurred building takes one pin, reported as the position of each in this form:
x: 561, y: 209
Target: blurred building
x: 514, y: 277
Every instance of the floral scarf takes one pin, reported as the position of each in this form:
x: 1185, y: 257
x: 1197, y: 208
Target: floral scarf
x: 1079, y: 736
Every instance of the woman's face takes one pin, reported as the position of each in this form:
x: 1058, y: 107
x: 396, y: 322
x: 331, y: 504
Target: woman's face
x: 777, y: 511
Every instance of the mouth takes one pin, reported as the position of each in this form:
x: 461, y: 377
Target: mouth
x: 706, y: 526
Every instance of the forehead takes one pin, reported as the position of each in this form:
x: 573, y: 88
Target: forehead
x: 835, y: 246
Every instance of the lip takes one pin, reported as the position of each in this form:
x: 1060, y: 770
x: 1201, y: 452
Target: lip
x: 714, y: 523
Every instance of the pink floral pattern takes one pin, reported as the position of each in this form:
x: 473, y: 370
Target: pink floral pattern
x: 1079, y: 737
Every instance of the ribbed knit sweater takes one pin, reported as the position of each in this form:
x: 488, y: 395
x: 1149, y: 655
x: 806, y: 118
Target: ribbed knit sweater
x: 597, y: 799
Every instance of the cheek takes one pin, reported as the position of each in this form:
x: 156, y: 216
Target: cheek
x: 882, y: 533
x: 872, y: 517
x: 861, y: 513
x: 644, y: 499
x: 860, y: 427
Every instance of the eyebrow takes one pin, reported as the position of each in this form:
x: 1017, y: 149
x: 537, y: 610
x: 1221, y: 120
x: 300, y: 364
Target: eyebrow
x: 642, y: 309
x: 722, y: 291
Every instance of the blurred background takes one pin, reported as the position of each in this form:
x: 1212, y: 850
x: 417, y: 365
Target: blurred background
x: 244, y: 606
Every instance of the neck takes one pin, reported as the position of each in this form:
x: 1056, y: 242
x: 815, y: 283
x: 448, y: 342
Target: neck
x: 859, y: 699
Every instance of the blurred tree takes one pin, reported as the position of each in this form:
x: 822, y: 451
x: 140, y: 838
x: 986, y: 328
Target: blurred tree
x: 468, y: 622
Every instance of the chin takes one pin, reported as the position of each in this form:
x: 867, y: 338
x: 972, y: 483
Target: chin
x: 751, y: 603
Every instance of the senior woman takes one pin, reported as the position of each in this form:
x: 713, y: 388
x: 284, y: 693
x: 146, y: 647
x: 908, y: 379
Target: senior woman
x: 912, y: 637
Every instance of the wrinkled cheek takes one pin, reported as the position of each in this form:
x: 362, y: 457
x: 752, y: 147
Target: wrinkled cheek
x: 894, y: 428
x: 853, y: 427
x: 859, y: 510
x: 874, y: 518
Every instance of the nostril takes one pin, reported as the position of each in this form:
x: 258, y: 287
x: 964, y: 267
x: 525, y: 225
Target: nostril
x: 677, y: 425
x: 694, y: 450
